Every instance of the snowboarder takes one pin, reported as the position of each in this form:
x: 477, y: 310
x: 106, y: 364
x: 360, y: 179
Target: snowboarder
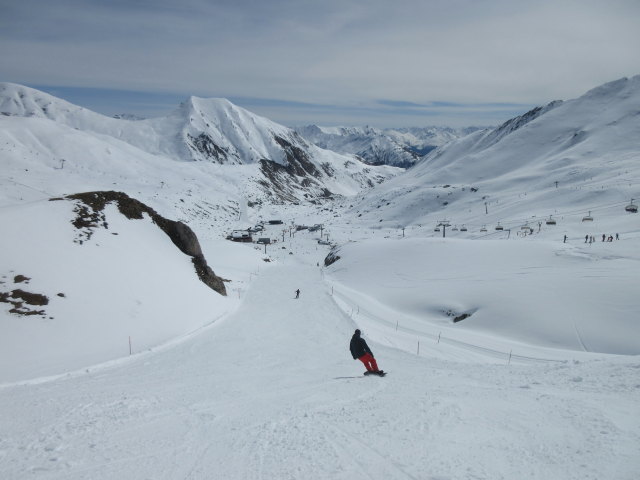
x: 361, y: 351
x: 297, y: 293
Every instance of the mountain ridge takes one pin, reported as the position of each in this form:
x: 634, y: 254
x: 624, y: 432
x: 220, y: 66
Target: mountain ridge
x: 580, y: 148
x: 401, y: 147
x: 214, y: 131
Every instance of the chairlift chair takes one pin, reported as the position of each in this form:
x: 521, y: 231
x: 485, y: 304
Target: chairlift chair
x: 499, y: 227
x: 463, y: 228
x: 483, y: 229
x: 551, y: 221
x: 588, y: 218
x: 632, y: 207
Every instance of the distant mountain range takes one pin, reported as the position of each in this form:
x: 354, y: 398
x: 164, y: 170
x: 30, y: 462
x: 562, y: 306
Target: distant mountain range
x: 584, y: 146
x: 400, y: 147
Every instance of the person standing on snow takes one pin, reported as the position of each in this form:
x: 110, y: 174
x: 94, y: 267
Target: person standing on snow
x: 297, y: 293
x: 361, y: 351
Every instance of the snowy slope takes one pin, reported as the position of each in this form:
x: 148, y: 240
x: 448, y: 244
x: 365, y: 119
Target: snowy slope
x: 565, y: 159
x: 216, y: 131
x: 272, y: 392
x: 537, y: 378
x: 103, y: 285
x: 199, y: 129
x: 527, y: 297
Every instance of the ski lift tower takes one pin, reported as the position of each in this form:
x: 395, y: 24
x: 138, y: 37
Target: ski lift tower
x: 444, y: 224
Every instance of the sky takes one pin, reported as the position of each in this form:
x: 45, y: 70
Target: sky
x: 330, y: 62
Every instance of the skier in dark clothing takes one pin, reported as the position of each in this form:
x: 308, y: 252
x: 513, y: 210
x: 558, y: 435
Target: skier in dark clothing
x: 297, y: 293
x: 361, y: 351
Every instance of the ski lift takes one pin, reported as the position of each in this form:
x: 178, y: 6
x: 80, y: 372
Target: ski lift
x: 455, y: 228
x: 463, y: 228
x: 499, y: 227
x: 551, y: 221
x: 588, y: 218
x: 437, y: 229
x: 484, y: 228
x: 632, y: 207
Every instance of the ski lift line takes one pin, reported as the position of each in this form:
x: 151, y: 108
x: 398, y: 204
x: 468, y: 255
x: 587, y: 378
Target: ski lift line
x: 513, y: 223
x: 490, y: 352
x: 568, y: 213
x: 571, y: 213
x: 594, y: 208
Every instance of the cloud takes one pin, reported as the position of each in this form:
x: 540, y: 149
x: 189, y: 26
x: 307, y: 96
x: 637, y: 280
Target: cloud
x: 348, y: 54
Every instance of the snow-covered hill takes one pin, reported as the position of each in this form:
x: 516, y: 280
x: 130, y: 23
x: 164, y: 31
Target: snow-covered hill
x: 82, y: 277
x: 561, y: 160
x: 401, y: 147
x: 212, y: 130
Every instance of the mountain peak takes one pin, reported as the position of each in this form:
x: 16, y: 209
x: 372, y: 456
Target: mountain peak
x: 623, y: 86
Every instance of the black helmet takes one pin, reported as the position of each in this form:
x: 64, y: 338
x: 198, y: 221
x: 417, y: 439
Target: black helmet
x: 357, y: 332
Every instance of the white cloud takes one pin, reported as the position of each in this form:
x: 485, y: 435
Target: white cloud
x: 340, y: 53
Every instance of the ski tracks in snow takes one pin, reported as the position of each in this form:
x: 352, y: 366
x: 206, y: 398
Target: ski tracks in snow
x: 255, y: 397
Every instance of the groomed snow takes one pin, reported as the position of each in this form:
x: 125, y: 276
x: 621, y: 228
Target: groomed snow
x: 270, y: 391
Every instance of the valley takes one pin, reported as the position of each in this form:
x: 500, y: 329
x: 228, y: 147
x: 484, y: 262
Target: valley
x: 512, y: 352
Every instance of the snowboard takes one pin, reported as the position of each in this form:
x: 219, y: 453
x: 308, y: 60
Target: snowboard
x: 381, y: 373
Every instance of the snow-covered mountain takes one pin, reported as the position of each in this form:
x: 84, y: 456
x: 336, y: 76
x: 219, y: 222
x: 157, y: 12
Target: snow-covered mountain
x: 517, y: 347
x: 401, y: 147
x: 567, y: 157
x: 213, y: 130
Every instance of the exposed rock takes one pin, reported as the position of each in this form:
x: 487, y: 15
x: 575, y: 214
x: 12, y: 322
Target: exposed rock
x: 332, y: 257
x: 30, y: 298
x: 205, y: 145
x: 90, y: 215
x: 284, y: 181
x: 18, y: 298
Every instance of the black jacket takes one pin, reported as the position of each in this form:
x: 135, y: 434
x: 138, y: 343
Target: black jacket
x: 358, y: 346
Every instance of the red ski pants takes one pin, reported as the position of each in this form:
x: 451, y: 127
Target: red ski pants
x: 369, y: 362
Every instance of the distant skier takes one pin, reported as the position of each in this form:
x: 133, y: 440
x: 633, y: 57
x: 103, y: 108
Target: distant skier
x: 361, y: 351
x: 565, y: 239
x: 298, y: 293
